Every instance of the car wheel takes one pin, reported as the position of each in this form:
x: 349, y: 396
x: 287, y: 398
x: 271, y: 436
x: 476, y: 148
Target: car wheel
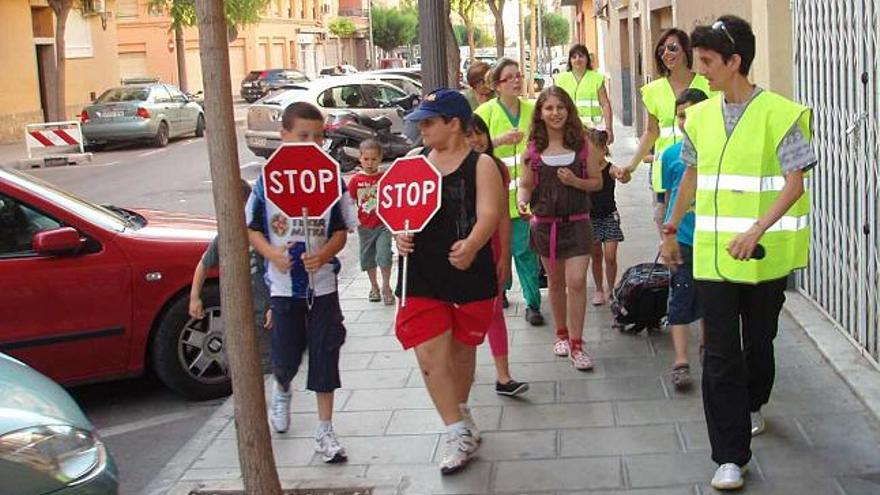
x: 161, y: 139
x: 95, y: 147
x: 200, y: 126
x: 189, y: 355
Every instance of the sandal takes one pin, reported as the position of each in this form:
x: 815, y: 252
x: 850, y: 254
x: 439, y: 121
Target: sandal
x: 681, y: 377
x: 388, y: 297
x: 374, y: 295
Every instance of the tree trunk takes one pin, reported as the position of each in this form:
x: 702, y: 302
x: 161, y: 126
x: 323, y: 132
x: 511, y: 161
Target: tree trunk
x: 254, y: 447
x: 471, y: 40
x: 181, y: 59
x: 452, y: 52
x: 522, y: 39
x: 533, y: 47
x: 62, y: 10
x: 498, y: 13
x: 433, y: 34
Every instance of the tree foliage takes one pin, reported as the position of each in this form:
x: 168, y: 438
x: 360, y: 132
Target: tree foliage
x: 555, y: 29
x: 238, y: 12
x: 482, y: 38
x: 342, y: 27
x: 393, y: 28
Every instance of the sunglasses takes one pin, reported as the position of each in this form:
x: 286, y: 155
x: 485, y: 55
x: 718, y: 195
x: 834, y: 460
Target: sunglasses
x: 719, y: 26
x: 669, y: 47
x: 516, y: 77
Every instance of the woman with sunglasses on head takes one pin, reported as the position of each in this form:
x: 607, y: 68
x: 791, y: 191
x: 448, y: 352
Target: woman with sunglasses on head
x: 674, y: 59
x: 508, y: 118
x: 587, y: 88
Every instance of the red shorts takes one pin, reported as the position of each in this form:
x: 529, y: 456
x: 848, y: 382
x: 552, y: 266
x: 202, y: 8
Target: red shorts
x: 424, y: 318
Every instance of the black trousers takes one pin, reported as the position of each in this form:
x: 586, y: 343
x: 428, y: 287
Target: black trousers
x: 738, y: 363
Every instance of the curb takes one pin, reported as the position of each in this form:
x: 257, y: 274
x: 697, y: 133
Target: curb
x: 844, y: 357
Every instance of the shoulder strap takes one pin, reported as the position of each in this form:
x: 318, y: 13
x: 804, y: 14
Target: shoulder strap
x: 534, y: 161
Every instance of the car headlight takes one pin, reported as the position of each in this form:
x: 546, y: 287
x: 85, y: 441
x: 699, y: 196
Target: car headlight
x: 63, y: 452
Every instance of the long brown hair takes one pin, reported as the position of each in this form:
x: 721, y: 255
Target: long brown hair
x: 573, y: 134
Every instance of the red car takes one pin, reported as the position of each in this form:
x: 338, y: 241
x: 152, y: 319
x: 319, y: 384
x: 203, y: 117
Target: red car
x: 91, y: 293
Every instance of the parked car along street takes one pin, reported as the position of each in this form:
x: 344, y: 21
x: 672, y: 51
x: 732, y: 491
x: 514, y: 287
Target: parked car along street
x: 153, y: 112
x: 93, y: 293
x: 259, y: 83
x: 46, y: 443
x: 364, y: 96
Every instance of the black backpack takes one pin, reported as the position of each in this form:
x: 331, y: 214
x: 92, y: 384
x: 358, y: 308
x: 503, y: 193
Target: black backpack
x: 640, y: 298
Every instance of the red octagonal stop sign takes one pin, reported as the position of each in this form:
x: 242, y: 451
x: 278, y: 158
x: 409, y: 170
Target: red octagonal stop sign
x: 301, y: 176
x: 409, y: 192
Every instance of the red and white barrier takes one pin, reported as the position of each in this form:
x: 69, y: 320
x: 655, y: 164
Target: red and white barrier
x: 53, y: 137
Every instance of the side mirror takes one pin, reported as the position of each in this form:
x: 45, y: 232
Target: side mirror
x: 61, y: 241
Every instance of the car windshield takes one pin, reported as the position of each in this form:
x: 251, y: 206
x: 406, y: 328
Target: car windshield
x: 96, y: 214
x: 283, y: 96
x: 117, y: 95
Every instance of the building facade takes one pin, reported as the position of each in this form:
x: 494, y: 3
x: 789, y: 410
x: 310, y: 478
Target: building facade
x: 27, y: 87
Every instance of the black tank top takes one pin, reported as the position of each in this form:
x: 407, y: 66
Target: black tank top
x: 430, y: 273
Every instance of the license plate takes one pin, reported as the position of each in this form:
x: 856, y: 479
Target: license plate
x: 327, y: 144
x: 111, y: 114
x: 257, y: 142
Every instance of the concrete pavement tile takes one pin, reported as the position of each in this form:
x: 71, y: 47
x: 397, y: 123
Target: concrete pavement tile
x: 288, y: 452
x: 796, y: 378
x: 561, y: 369
x: 515, y: 445
x: 538, y: 393
x: 639, y: 366
x: 351, y: 361
x: 842, y: 430
x: 552, y: 416
x: 211, y: 474
x: 350, y: 315
x: 558, y: 474
x: 359, y: 302
x: 427, y: 421
x: 586, y: 442
x: 322, y: 472
x: 799, y: 486
x: 660, y: 470
x: 610, y: 389
x: 619, y: 348
x: 384, y: 343
x: 781, y: 432
x: 383, y: 400
x: 694, y: 392
x: 678, y: 490
x: 383, y: 315
x: 409, y: 449
x: 427, y: 480
x: 532, y: 353
x: 374, y: 379
x: 646, y: 412
x: 812, y: 401
x: 346, y: 423
x: 368, y: 329
x: 394, y: 359
x: 793, y: 462
x: 304, y: 400
x: 868, y: 484
x: 801, y: 355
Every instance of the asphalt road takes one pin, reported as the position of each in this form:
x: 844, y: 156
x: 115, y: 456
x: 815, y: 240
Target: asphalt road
x: 144, y: 424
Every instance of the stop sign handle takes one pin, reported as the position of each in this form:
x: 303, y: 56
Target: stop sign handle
x: 310, y: 290
x: 405, y: 267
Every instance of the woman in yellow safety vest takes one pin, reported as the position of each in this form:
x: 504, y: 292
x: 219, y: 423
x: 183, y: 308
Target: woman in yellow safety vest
x: 587, y: 89
x: 508, y: 118
x: 674, y: 59
x: 748, y: 152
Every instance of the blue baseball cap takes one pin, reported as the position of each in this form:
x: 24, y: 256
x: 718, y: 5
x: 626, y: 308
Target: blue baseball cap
x: 443, y: 102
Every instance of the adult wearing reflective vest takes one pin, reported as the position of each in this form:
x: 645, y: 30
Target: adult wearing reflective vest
x: 587, y: 89
x: 508, y: 118
x: 673, y: 58
x: 748, y: 152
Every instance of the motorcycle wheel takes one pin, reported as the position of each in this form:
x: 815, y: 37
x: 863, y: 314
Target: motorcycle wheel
x: 346, y: 163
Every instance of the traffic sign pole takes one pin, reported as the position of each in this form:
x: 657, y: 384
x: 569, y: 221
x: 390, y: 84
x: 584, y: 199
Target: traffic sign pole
x: 405, y: 269
x: 311, y: 288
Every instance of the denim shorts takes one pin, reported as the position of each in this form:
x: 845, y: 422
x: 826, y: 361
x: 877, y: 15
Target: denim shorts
x: 375, y: 247
x: 683, y: 306
x: 297, y: 329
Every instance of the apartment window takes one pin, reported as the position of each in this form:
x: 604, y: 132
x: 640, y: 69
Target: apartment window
x: 126, y: 8
x: 78, y: 37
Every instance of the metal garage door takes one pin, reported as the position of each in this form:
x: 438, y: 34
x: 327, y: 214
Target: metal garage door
x: 262, y: 57
x: 133, y: 64
x: 278, y: 61
x: 837, y: 54
x: 194, y: 70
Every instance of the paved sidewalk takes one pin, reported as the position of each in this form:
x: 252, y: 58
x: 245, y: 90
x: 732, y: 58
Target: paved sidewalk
x: 619, y: 429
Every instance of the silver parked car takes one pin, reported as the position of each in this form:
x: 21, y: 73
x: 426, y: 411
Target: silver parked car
x: 363, y: 96
x: 155, y: 112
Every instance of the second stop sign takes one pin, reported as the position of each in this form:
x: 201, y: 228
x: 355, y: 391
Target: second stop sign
x: 409, y: 191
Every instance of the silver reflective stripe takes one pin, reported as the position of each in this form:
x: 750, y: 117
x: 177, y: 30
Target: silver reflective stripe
x: 588, y: 103
x: 738, y: 225
x: 667, y: 132
x: 743, y: 183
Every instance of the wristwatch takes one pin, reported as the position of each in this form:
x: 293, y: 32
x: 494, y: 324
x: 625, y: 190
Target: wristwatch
x: 668, y: 229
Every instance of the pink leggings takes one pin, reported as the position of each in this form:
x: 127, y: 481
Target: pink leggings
x: 498, y: 330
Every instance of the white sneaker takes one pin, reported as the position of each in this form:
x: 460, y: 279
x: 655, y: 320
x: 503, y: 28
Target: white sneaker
x: 459, y: 450
x: 562, y: 347
x: 279, y: 416
x: 469, y: 421
x: 728, y: 477
x: 758, y: 423
x: 329, y: 447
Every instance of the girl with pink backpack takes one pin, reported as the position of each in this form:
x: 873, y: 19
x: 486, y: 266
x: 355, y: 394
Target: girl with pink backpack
x: 560, y: 167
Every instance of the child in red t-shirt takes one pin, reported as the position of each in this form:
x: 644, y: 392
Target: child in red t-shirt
x: 374, y: 238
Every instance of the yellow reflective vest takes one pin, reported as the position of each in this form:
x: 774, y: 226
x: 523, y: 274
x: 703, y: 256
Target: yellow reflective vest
x: 738, y: 178
x: 584, y: 93
x: 659, y: 100
x: 500, y: 123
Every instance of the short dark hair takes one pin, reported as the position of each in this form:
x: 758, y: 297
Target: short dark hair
x: 683, y: 40
x: 299, y: 110
x: 479, y: 126
x: 579, y: 48
x: 370, y: 144
x: 499, y: 68
x: 476, y: 73
x: 733, y: 36
x: 691, y: 96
